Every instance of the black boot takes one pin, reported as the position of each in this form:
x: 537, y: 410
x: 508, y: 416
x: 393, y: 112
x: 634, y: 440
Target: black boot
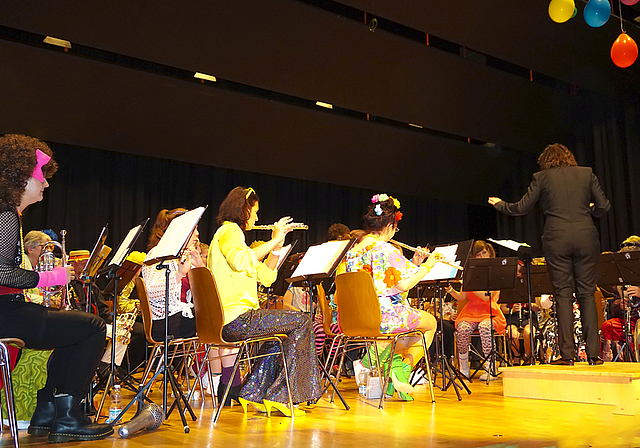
x: 234, y: 393
x: 70, y: 422
x: 43, y: 415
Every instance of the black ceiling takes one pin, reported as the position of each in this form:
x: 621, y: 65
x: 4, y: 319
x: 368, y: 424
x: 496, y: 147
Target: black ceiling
x: 309, y: 53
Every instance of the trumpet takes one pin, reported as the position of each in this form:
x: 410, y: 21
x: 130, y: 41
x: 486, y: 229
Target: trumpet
x: 428, y: 252
x: 293, y: 225
x: 46, y: 262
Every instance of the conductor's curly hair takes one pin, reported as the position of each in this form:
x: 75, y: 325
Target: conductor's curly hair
x: 17, y: 161
x: 555, y: 156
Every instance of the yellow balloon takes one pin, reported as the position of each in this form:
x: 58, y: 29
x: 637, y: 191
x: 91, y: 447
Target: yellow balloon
x: 561, y: 10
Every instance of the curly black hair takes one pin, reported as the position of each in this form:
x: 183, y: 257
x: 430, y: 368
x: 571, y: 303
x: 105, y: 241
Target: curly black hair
x: 374, y: 222
x: 17, y: 161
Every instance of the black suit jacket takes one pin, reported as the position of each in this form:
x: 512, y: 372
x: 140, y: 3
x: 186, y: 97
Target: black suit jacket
x: 564, y: 194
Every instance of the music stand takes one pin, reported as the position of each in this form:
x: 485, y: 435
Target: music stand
x: 621, y: 269
x: 437, y: 277
x: 87, y: 276
x: 320, y: 262
x: 285, y: 268
x: 490, y: 274
x: 170, y: 247
x: 111, y: 272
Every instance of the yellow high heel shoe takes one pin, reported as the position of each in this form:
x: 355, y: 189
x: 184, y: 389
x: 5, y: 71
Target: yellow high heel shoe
x: 258, y: 406
x: 282, y: 408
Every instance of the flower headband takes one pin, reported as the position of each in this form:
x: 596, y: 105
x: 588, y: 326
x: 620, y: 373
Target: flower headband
x: 378, y: 198
x: 42, y: 160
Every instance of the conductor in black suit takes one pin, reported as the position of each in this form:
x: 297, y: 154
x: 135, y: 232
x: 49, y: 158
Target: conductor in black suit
x: 570, y: 197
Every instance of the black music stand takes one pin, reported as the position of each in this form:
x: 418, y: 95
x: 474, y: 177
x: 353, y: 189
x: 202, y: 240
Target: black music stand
x: 490, y: 274
x: 312, y: 273
x: 112, y: 272
x: 170, y: 247
x: 126, y: 273
x: 88, y: 274
x: 621, y: 269
x: 437, y: 278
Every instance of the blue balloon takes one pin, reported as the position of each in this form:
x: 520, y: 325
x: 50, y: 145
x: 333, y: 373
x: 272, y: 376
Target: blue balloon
x: 597, y: 12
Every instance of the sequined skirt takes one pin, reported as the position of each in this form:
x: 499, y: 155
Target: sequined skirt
x: 267, y: 380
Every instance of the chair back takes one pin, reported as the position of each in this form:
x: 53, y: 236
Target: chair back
x: 358, y: 304
x: 207, y: 306
x: 145, y: 309
x: 325, y: 309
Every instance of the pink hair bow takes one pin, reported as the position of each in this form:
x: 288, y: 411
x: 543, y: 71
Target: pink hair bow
x: 42, y: 160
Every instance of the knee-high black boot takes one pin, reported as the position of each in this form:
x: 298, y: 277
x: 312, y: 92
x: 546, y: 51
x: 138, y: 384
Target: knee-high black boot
x: 70, y: 423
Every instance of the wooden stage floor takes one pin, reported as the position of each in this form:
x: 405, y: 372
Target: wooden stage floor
x: 483, y: 419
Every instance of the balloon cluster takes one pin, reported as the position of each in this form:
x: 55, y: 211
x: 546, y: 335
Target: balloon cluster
x: 624, y: 50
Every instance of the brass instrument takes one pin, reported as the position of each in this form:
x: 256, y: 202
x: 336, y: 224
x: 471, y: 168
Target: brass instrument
x: 428, y: 252
x: 124, y: 326
x: 46, y: 262
x: 293, y: 225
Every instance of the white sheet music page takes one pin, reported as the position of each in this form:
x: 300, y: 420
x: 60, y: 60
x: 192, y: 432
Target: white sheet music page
x: 118, y: 258
x: 509, y: 244
x: 441, y: 271
x: 282, y: 254
x: 176, y: 236
x: 320, y: 258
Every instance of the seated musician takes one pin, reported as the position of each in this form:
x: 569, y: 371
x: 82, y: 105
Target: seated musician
x: 76, y: 338
x: 182, y: 323
x: 393, y: 276
x: 237, y: 270
x: 613, y: 328
x: 517, y: 316
x: 473, y: 313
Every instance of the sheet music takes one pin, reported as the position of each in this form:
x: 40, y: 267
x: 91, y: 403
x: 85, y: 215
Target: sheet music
x: 320, y: 259
x: 122, y: 250
x: 441, y: 271
x: 509, y: 244
x: 282, y: 255
x: 176, y: 236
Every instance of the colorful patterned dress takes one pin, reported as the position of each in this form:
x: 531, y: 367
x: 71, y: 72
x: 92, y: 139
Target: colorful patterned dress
x: 388, y: 267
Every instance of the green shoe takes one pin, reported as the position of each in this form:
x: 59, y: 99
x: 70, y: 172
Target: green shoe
x: 400, y: 374
x: 371, y: 354
x: 405, y: 397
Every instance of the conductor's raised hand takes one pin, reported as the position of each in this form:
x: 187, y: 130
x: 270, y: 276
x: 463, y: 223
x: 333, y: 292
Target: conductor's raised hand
x: 494, y: 200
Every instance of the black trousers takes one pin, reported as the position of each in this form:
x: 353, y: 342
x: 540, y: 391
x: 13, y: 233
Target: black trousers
x: 77, y: 340
x: 572, y: 258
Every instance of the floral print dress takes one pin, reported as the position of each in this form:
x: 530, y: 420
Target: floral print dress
x: 388, y: 267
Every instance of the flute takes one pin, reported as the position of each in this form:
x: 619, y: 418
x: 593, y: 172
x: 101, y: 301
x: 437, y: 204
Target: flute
x: 415, y: 249
x: 293, y: 225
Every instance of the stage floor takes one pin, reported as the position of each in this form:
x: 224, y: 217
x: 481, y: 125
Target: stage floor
x: 483, y: 419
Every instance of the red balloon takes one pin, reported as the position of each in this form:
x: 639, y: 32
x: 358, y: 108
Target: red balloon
x: 624, y: 51
x: 630, y: 2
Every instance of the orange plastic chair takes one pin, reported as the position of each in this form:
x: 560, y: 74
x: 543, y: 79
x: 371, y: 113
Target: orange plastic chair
x: 359, y: 317
x: 210, y: 320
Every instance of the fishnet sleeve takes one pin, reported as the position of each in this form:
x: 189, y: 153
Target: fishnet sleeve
x: 11, y: 274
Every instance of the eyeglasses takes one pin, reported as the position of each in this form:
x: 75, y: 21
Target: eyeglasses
x: 630, y: 244
x: 249, y: 191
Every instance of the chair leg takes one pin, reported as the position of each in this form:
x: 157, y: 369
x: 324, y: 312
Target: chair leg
x: 243, y: 347
x: 428, y: 367
x: 8, y: 392
x: 286, y: 377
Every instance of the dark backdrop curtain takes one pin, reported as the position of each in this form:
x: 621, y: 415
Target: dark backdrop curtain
x: 93, y: 187
x: 606, y: 138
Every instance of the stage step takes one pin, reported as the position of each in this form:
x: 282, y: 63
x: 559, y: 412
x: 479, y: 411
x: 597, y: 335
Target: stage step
x: 614, y: 384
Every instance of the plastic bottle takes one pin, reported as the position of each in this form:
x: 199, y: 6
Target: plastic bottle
x: 116, y: 403
x: 362, y: 380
